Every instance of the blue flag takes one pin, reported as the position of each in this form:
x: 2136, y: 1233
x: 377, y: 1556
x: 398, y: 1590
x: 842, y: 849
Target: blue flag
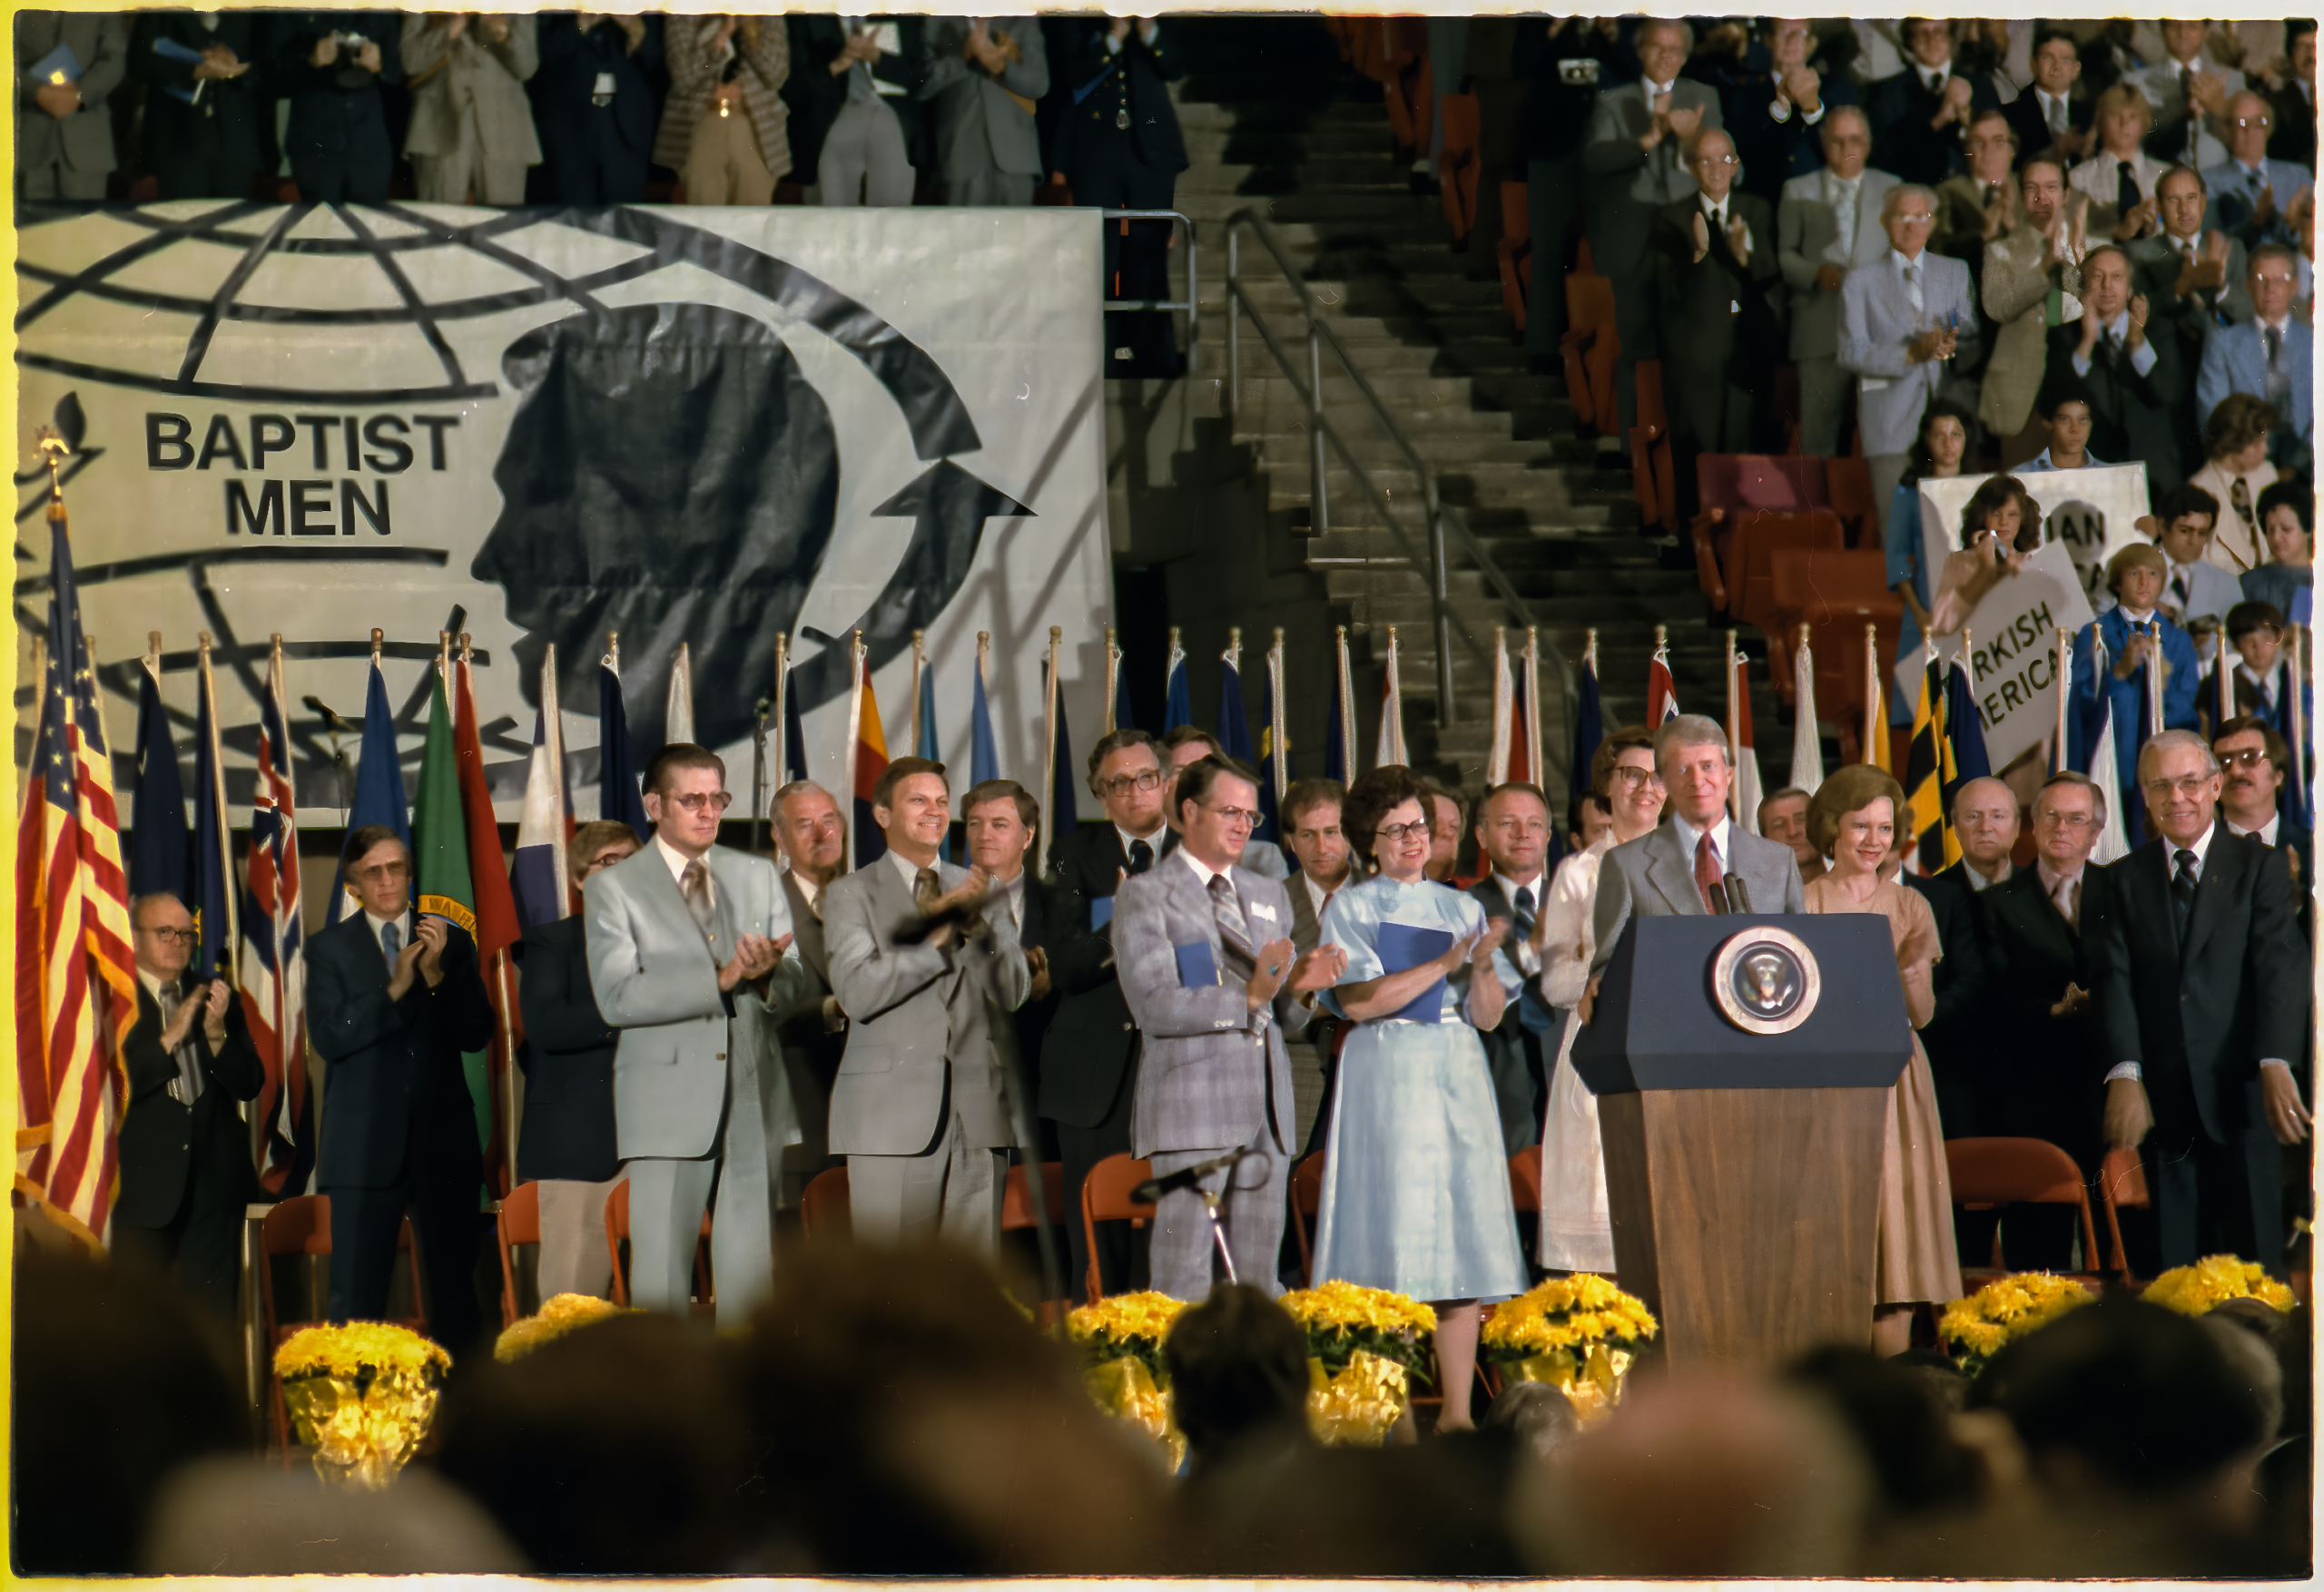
x: 984, y: 752
x: 1181, y: 708
x: 1234, y: 726
x: 1269, y: 827
x: 794, y: 739
x: 157, y: 855
x: 617, y: 796
x: 378, y: 784
x: 212, y: 873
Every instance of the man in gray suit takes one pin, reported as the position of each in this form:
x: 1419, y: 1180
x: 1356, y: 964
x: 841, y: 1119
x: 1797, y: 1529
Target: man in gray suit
x: 1212, y: 979
x: 919, y: 1108
x: 1901, y: 321
x: 64, y: 124
x: 1828, y: 224
x: 690, y: 957
x: 1633, y: 161
x: 808, y: 833
x: 983, y: 75
x: 1668, y: 871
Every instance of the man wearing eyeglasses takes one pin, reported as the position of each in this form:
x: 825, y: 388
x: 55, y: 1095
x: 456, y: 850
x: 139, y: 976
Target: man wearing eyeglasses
x: 1090, y: 1053
x: 1213, y: 981
x: 2252, y: 194
x: 691, y: 957
x: 2255, y: 762
x: 2272, y: 356
x: 2040, y: 1075
x: 2202, y: 998
x: 185, y: 1157
x: 393, y: 1001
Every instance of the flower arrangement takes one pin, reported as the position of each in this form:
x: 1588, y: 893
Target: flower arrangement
x: 2211, y: 1281
x: 1120, y: 1339
x: 1580, y: 1333
x: 363, y: 1395
x: 1363, y: 1347
x: 563, y: 1313
x: 2004, y: 1311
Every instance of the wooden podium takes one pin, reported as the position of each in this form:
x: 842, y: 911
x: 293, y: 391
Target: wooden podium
x: 1742, y: 1166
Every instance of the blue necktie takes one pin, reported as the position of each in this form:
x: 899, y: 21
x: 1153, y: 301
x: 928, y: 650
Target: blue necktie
x: 392, y: 942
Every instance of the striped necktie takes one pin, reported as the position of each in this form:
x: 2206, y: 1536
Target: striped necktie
x: 1233, y: 934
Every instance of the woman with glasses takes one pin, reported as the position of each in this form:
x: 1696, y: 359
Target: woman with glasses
x: 1577, y: 1231
x: 1415, y: 1192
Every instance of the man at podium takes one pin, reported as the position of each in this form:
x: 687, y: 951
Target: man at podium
x: 1671, y: 870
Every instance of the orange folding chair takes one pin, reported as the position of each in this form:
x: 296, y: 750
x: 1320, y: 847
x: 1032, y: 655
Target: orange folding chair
x: 1513, y: 255
x: 1654, y: 479
x: 1457, y: 168
x: 1106, y: 1197
x: 617, y: 1234
x: 2121, y: 1186
x: 1986, y: 1173
x: 824, y: 1208
x: 519, y: 1222
x: 1306, y: 1204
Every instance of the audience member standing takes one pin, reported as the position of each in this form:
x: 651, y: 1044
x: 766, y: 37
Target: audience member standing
x: 1089, y: 1057
x: 1944, y: 444
x: 2032, y: 267
x: 1901, y: 323
x: 1117, y: 146
x: 2202, y: 998
x: 567, y: 1143
x: 1000, y: 820
x: 206, y: 94
x: 2272, y: 356
x: 725, y: 128
x: 2191, y: 93
x: 690, y: 956
x: 594, y: 105
x: 1783, y: 816
x: 2238, y: 475
x: 2041, y: 1078
x: 330, y: 65
x: 393, y: 998
x: 2133, y: 379
x: 1852, y: 821
x: 1637, y: 131
x: 1957, y: 1037
x: 183, y: 1153
x: 2288, y: 519
x: 2196, y: 592
x: 2251, y: 192
x: 1776, y: 121
x: 2046, y: 117
x: 2255, y: 761
x: 471, y: 140
x: 1312, y: 832
x: 919, y: 1108
x: 1979, y: 204
x: 1566, y: 62
x: 2136, y: 637
x: 2121, y: 178
x: 1828, y: 225
x: 2292, y: 105
x: 1713, y: 254
x: 1577, y: 1228
x: 1415, y: 1196
x: 2193, y: 279
x: 1513, y: 834
x: 983, y: 77
x: 64, y: 121
x: 1212, y: 977
x: 812, y: 838
x: 1918, y: 114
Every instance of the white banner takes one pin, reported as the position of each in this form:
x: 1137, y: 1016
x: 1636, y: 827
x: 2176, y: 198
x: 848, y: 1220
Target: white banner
x: 2085, y: 515
x: 685, y: 425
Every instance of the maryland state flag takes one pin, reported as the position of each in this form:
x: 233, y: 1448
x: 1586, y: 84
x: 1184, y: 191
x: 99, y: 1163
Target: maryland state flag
x: 1948, y: 748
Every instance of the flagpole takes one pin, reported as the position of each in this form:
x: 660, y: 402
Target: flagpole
x: 553, y: 736
x: 2226, y: 688
x: 1503, y: 710
x: 1872, y: 692
x: 1232, y: 655
x: 1113, y: 670
x: 1534, y: 766
x: 227, y: 961
x: 1048, y: 754
x: 40, y: 688
x: 1734, y: 742
x: 1170, y: 671
x: 854, y: 732
x: 2065, y: 688
x: 500, y: 971
x: 1345, y: 706
x: 1281, y: 728
x: 918, y: 663
x: 782, y: 697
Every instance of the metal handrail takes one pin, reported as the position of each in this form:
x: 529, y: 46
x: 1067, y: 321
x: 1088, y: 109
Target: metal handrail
x: 1192, y: 303
x: 1440, y: 513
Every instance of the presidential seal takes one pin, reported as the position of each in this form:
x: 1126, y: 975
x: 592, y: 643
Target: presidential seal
x: 1765, y: 982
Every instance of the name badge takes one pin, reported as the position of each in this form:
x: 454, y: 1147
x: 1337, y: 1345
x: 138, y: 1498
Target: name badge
x: 604, y: 85
x: 1581, y: 71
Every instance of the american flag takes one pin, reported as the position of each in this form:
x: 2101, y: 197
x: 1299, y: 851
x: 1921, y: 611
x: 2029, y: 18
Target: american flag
x: 76, y: 979
x: 272, y: 964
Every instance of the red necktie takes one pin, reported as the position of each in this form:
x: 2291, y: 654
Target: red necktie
x: 1706, y: 875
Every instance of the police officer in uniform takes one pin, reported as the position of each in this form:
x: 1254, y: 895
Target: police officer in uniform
x: 1117, y: 146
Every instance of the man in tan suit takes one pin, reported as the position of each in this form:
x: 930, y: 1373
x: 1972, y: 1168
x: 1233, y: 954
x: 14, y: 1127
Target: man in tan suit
x: 471, y: 137
x: 2021, y: 268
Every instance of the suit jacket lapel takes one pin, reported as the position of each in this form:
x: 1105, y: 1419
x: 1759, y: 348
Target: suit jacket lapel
x: 1674, y: 879
x: 2222, y: 874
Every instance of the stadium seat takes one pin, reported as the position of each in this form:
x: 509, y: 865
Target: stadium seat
x: 1985, y: 1173
x: 1759, y: 536
x: 1728, y: 483
x: 1458, y: 167
x: 1836, y: 593
x: 1514, y: 252
x: 1653, y: 477
x: 1848, y: 481
x: 1591, y: 346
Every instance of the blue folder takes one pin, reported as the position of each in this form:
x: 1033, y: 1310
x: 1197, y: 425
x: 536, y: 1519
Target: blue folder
x: 1402, y: 945
x: 1198, y: 965
x: 170, y: 50
x: 60, y: 66
x: 1101, y: 912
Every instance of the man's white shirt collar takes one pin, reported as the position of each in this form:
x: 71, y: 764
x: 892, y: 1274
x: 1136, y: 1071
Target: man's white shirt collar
x: 1509, y: 887
x: 1690, y: 836
x: 1203, y: 871
x: 1153, y: 841
x: 1318, y: 892
x: 911, y: 870
x: 1904, y: 263
x: 1653, y: 88
x: 2265, y: 834
x: 809, y: 888
x: 2201, y: 849
x: 402, y: 923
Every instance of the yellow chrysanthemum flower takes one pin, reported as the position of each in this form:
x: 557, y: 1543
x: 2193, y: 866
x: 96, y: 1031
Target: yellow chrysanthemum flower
x: 1567, y: 1313
x: 2211, y: 1281
x: 563, y: 1313
x: 349, y: 1348
x: 1338, y: 1304
x: 1123, y: 1318
x: 2005, y: 1309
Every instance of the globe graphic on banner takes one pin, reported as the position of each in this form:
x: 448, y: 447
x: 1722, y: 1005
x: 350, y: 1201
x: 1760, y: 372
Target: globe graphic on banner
x: 650, y: 399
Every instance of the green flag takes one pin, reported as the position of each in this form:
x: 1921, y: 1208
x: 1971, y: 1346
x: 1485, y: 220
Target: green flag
x: 440, y: 884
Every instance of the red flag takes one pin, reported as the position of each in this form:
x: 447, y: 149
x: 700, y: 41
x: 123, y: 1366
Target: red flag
x: 868, y: 759
x: 497, y: 925
x: 272, y: 956
x: 1661, y: 694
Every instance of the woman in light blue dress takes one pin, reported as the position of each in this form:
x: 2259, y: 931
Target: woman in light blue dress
x: 1415, y: 1177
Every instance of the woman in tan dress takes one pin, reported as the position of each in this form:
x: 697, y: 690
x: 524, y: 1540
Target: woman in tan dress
x: 1852, y: 821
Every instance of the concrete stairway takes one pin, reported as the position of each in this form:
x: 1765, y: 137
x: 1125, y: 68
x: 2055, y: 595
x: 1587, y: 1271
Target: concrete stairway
x: 1275, y: 123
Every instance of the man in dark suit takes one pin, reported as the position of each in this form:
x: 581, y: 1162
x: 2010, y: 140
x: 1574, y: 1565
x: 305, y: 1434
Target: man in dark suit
x: 185, y: 1156
x: 2135, y: 380
x: 1312, y: 834
x: 2041, y: 1080
x: 567, y: 1143
x: 1918, y: 114
x: 855, y: 128
x: 330, y: 65
x: 1513, y: 834
x: 392, y: 1000
x: 2046, y: 117
x: 1632, y: 158
x: 594, y: 105
x: 1958, y: 1038
x: 64, y: 121
x: 1776, y: 122
x: 1118, y: 145
x: 812, y: 840
x: 2202, y: 999
x: 1090, y: 1053
x: 206, y: 91
x: 2256, y: 777
x: 2293, y: 104
x: 1714, y: 253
